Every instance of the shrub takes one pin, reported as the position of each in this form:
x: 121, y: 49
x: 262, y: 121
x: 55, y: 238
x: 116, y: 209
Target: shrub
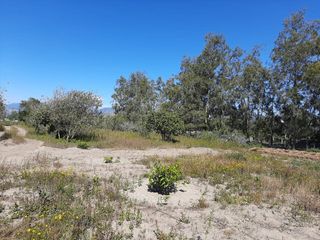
x: 74, y: 113
x: 162, y: 178
x: 12, y: 133
x: 165, y: 123
x: 108, y: 159
x: 40, y: 118
x: 1, y: 128
x: 83, y: 145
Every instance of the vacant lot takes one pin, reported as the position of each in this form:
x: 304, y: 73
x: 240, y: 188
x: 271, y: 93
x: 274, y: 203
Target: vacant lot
x: 72, y: 193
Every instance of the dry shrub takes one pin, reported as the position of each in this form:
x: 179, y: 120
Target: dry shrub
x: 307, y: 200
x: 271, y: 187
x: 13, y: 134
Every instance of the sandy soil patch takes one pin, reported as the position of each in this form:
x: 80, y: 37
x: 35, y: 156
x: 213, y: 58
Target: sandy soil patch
x: 179, y: 211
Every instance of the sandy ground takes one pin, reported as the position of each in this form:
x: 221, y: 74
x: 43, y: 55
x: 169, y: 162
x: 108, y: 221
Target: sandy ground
x: 179, y: 211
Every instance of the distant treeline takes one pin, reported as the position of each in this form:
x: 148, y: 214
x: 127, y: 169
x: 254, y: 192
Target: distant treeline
x: 227, y: 90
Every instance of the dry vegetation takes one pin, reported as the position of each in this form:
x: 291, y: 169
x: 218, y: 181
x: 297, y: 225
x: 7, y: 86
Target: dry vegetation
x: 105, y: 138
x: 56, y: 204
x: 45, y: 199
x: 247, y: 177
x: 12, y: 133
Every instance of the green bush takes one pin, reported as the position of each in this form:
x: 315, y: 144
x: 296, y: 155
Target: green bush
x: 162, y: 178
x: 165, y: 123
x: 83, y: 145
x: 1, y: 128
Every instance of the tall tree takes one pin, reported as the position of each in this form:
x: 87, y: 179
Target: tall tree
x: 200, y: 81
x: 294, y: 51
x: 135, y: 97
x: 27, y: 107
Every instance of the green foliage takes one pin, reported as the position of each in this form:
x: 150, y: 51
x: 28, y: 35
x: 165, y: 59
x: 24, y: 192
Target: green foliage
x: 83, y: 145
x: 165, y: 123
x: 108, y: 159
x: 26, y: 109
x: 162, y: 178
x: 2, y: 128
x: 67, y: 115
x: 135, y: 97
x: 2, y: 105
x: 40, y: 119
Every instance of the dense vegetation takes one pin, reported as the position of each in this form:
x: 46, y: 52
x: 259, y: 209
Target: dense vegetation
x: 226, y: 90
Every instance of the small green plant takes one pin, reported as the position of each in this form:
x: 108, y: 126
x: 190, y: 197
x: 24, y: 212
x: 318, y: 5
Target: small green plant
x: 162, y: 178
x: 83, y: 145
x: 108, y: 159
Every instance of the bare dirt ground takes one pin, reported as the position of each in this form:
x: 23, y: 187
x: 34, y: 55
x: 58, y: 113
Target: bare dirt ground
x: 179, y: 211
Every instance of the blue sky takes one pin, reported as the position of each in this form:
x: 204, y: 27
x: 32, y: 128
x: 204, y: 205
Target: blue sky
x: 87, y: 45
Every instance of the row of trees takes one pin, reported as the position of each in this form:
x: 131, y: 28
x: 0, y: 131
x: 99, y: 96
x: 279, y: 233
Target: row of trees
x: 226, y: 90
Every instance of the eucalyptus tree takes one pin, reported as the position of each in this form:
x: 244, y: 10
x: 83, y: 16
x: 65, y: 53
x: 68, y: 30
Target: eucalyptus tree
x: 201, y: 83
x: 135, y: 97
x: 251, y: 95
x: 296, y: 48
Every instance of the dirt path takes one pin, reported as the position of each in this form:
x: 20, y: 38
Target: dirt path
x: 178, y: 212
x: 90, y: 161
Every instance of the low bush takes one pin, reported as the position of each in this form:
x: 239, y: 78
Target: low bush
x: 108, y: 159
x: 1, y: 128
x: 83, y: 145
x: 162, y: 178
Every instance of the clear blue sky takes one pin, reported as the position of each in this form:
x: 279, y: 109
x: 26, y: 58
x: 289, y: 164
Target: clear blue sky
x: 87, y: 45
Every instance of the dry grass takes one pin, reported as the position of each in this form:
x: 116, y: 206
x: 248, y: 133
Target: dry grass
x: 12, y: 133
x: 105, y: 138
x: 52, y: 204
x: 249, y: 177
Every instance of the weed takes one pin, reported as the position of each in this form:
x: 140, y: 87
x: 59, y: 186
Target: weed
x: 63, y: 205
x: 83, y: 145
x: 202, y: 203
x: 108, y: 159
x: 184, y: 218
